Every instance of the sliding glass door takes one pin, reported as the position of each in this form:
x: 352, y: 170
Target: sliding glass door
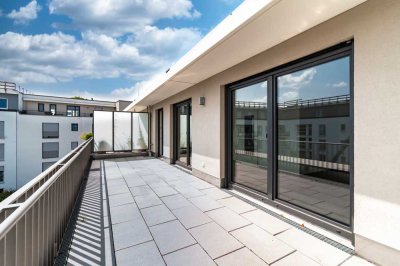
x: 183, y: 139
x: 290, y: 136
x: 250, y: 136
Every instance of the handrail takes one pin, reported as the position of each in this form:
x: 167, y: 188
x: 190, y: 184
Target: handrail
x: 14, y: 197
x: 32, y: 230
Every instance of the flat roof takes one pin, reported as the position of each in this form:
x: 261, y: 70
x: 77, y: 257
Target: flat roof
x: 57, y: 99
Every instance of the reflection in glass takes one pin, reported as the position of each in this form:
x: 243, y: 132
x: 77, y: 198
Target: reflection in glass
x: 314, y: 139
x: 250, y: 136
x: 102, y: 131
x: 122, y: 131
x: 140, y: 131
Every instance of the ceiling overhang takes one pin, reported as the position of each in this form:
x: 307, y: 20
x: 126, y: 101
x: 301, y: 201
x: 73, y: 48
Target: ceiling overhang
x: 255, y: 26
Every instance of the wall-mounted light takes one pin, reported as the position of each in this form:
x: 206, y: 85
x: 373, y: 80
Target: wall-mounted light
x: 202, y: 100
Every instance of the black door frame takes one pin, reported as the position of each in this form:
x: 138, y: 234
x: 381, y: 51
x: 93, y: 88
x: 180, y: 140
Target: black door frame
x: 187, y: 102
x: 160, y: 132
x: 341, y: 50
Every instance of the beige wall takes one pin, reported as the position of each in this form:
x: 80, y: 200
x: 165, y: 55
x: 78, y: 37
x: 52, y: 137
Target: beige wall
x: 374, y: 26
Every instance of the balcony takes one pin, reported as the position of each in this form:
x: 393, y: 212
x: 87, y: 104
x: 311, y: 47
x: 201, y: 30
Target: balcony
x: 143, y: 211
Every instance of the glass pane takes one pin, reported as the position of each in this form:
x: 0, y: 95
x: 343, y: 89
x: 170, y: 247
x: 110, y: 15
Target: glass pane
x: 50, y: 150
x: 50, y: 130
x: 122, y: 131
x: 250, y: 136
x: 314, y: 139
x: 160, y: 132
x: 103, y: 131
x: 183, y: 112
x: 140, y: 131
x: 3, y: 103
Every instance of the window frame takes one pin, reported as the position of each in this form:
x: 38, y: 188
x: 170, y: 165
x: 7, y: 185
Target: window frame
x: 2, y: 170
x: 72, y: 127
x: 55, y: 108
x: 76, y: 112
x: 4, y: 108
x: 58, y: 150
x: 345, y: 49
x: 58, y: 130
x: 39, y: 105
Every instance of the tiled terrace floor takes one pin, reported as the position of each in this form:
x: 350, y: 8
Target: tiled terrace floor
x: 162, y: 215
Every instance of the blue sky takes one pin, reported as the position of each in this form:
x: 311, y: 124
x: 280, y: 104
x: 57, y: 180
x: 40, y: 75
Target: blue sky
x: 105, y: 49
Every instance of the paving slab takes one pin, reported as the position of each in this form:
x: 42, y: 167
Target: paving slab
x: 146, y: 201
x: 130, y: 233
x: 215, y: 240
x: 191, y: 216
x: 320, y: 252
x: 236, y: 205
x: 145, y: 254
x: 241, y: 257
x: 157, y: 215
x: 267, y: 222
x: 176, y: 201
x: 193, y: 255
x: 228, y: 219
x: 124, y: 213
x: 263, y: 244
x: 296, y: 258
x: 205, y: 203
x: 216, y: 193
x: 120, y: 199
x: 171, y: 236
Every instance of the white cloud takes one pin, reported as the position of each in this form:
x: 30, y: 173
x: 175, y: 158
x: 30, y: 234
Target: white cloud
x: 296, y: 81
x: 26, y: 13
x: 56, y: 57
x: 340, y: 84
x: 117, y: 17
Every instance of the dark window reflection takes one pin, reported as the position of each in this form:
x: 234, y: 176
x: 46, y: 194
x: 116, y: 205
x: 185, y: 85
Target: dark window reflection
x: 250, y: 136
x: 313, y: 139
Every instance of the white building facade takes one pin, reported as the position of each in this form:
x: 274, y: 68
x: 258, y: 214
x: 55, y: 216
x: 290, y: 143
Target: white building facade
x: 37, y: 130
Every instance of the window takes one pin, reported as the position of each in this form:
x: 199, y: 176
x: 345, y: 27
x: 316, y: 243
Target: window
x: 1, y: 151
x: 73, y: 110
x: 1, y: 174
x: 322, y: 130
x: 49, y: 150
x: 40, y: 107
x: 308, y: 115
x: 46, y: 165
x: 74, y: 127
x: 53, y: 109
x: 302, y: 102
x: 50, y: 130
x: 74, y: 144
x: 1, y: 129
x: 3, y: 103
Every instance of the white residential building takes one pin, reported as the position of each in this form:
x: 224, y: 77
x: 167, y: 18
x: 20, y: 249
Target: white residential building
x: 38, y: 130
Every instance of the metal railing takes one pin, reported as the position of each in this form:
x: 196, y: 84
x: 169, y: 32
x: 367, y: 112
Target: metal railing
x: 34, y: 218
x: 5, y: 85
x: 49, y: 113
x: 315, y: 102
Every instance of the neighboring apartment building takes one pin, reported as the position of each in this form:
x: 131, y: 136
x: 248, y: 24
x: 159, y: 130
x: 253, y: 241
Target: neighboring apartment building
x: 294, y: 103
x: 38, y: 130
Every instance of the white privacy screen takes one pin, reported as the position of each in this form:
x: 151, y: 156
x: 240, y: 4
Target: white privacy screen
x: 103, y: 131
x: 122, y: 131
